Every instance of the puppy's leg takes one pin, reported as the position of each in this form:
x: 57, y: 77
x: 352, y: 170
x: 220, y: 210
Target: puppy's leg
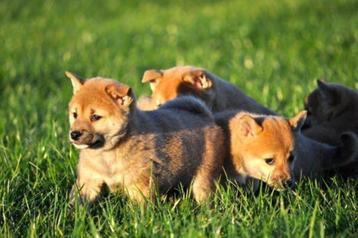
x: 87, y: 190
x: 87, y: 187
x: 142, y: 189
x: 211, y: 165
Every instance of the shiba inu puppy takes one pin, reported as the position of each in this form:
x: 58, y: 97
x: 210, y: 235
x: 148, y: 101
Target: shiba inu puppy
x: 217, y: 93
x: 273, y: 149
x: 139, y: 152
x: 332, y: 110
x: 260, y: 146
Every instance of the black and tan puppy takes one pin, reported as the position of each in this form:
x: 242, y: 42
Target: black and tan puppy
x: 218, y: 94
x: 273, y: 149
x: 140, y: 152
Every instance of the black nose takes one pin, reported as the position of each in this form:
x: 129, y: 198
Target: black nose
x: 75, y: 135
x: 289, y: 183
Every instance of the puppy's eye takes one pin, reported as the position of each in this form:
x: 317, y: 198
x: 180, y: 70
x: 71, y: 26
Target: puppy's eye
x: 74, y: 115
x: 270, y: 161
x: 95, y: 117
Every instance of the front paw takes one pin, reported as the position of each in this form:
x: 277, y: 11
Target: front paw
x: 78, y: 199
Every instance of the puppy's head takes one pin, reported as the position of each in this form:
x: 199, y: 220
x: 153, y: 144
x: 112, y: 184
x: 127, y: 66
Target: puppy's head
x: 98, y: 111
x: 263, y: 146
x: 326, y: 101
x: 170, y: 83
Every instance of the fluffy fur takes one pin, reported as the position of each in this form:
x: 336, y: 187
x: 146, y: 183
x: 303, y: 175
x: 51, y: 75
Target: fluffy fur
x: 141, y: 152
x: 259, y: 146
x: 254, y: 139
x: 332, y: 110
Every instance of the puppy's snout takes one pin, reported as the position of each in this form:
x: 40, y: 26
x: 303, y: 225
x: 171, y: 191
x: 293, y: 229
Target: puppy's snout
x: 75, y: 135
x: 281, y: 178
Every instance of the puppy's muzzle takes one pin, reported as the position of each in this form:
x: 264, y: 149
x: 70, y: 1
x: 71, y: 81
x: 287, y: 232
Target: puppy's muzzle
x: 85, y: 139
x: 75, y: 135
x: 283, y: 181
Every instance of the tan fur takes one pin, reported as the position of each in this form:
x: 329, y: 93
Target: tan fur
x: 250, y: 141
x: 146, y: 103
x: 332, y: 110
x: 141, y: 152
x: 253, y: 139
x: 218, y: 94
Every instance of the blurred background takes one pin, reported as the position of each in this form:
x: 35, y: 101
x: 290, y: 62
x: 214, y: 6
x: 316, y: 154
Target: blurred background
x: 274, y: 50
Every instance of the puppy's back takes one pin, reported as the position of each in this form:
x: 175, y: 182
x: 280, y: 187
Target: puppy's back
x: 188, y: 104
x: 185, y: 142
x: 182, y: 113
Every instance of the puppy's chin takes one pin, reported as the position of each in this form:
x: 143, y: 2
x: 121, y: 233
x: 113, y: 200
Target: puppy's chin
x: 98, y: 142
x: 81, y: 147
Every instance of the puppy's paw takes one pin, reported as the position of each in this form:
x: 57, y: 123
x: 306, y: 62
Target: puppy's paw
x: 201, y: 192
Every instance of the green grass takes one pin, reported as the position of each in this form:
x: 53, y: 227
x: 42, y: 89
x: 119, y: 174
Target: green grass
x: 273, y: 50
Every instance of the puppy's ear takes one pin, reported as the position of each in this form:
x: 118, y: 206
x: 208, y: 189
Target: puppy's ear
x: 76, y: 81
x: 298, y: 121
x: 120, y: 93
x: 327, y: 92
x: 198, y: 79
x: 247, y: 126
x: 152, y: 76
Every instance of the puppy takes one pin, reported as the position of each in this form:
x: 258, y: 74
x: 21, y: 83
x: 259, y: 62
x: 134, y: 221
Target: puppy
x: 332, y: 110
x: 140, y: 152
x: 273, y: 149
x: 258, y: 146
x: 218, y: 94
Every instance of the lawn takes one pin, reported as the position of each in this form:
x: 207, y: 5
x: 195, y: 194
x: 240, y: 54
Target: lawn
x: 273, y: 50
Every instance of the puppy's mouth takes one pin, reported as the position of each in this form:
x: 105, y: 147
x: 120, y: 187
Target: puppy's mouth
x: 94, y: 142
x: 282, y: 186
